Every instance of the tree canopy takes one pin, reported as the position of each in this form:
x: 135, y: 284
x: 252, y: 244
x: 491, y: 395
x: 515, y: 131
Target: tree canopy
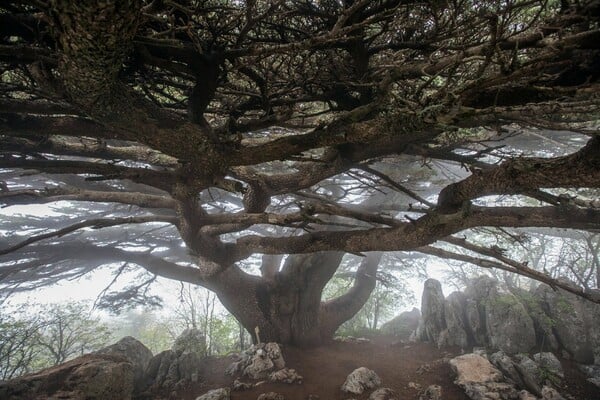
x: 291, y: 127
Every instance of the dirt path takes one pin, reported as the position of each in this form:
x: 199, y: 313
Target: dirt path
x: 325, y: 368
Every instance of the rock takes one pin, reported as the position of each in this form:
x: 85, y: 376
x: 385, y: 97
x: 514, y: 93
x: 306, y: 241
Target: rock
x: 542, y: 323
x: 258, y: 362
x: 180, y: 366
x: 474, y: 368
x: 136, y: 353
x: 361, y: 379
x: 414, y: 385
x: 190, y: 341
x: 525, y: 395
x: 270, y: 396
x: 285, y: 375
x: 216, y: 394
x: 384, y: 394
x: 403, y: 325
x: 433, y: 392
x: 593, y: 373
x: 476, y: 294
x: 548, y: 363
x: 89, y: 377
x: 567, y: 310
x: 480, y: 380
x: 274, y: 353
x: 549, y: 393
x: 509, y: 327
x: 530, y: 374
x: 456, y: 320
x: 506, y: 365
x: 432, y: 309
x: 239, y: 385
x: 260, y: 366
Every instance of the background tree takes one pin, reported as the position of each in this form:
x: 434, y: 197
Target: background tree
x: 289, y: 127
x: 49, y: 336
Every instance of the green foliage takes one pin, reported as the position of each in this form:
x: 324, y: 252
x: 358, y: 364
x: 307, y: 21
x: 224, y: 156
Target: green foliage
x: 32, y: 338
x: 390, y: 294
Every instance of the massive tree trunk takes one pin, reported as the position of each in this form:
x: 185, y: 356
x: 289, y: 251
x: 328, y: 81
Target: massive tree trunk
x: 286, y: 306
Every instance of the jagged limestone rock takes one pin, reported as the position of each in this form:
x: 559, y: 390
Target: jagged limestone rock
x: 548, y: 363
x: 432, y: 321
x: 190, y: 341
x: 480, y: 379
x: 360, y: 380
x: 384, y: 394
x: 456, y: 321
x: 567, y: 311
x: 509, y: 327
x: 216, y: 394
x: 89, y: 377
x: 136, y: 353
x: 270, y: 396
x: 402, y: 325
x: 506, y: 365
x: 433, y: 392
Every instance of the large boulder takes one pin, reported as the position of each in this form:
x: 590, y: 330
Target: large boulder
x: 477, y: 292
x: 508, y: 325
x: 179, y: 366
x: 432, y: 311
x: 191, y: 340
x: 403, y: 325
x: 456, y: 320
x: 136, y: 353
x: 89, y: 377
x: 568, y: 311
x: 480, y: 379
x: 361, y: 379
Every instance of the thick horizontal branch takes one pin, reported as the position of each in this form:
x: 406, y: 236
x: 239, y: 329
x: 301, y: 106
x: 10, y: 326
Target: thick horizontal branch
x: 94, y: 224
x: 60, y: 194
x: 423, y: 231
x: 160, y: 179
x: 581, y: 169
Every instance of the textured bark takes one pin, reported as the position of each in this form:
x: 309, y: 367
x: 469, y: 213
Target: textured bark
x: 287, y: 308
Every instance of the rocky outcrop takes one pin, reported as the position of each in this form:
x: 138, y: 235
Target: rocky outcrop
x: 480, y: 379
x: 89, y: 377
x: 567, y: 312
x: 456, y: 321
x: 361, y: 379
x: 403, y: 325
x: 180, y: 366
x: 508, y: 325
x: 487, y: 316
x: 432, y: 321
x: 136, y: 353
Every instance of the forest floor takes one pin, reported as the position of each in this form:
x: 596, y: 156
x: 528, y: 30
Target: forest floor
x: 400, y: 366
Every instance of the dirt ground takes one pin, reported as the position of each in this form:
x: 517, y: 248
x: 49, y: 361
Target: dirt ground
x: 325, y: 368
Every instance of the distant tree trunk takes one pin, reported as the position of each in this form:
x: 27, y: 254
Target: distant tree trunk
x: 287, y: 307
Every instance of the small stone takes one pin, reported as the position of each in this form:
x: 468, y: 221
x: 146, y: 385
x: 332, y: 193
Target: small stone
x: 433, y: 392
x: 360, y: 379
x: 216, y: 394
x: 414, y: 385
x: 270, y: 396
x: 384, y: 394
